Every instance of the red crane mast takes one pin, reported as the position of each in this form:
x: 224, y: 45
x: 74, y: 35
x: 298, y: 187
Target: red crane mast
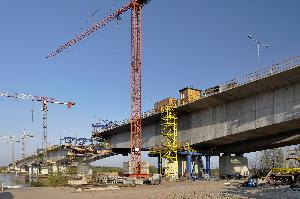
x: 135, y: 72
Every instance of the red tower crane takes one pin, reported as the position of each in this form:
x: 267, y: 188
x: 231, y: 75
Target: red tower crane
x: 135, y: 72
x: 44, y: 101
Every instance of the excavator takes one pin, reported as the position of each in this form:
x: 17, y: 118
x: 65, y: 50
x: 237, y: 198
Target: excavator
x: 288, y: 175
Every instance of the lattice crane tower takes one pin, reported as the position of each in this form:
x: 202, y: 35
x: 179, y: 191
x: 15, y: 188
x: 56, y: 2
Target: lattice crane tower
x: 135, y: 72
x: 44, y: 100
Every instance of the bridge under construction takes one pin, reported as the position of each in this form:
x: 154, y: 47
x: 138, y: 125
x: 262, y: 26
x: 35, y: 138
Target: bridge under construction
x: 254, y: 112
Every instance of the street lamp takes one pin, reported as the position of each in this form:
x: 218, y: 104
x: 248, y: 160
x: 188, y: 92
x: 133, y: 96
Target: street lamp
x: 259, y: 44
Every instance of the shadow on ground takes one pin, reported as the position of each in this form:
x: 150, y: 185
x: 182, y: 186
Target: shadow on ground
x: 6, y: 195
x: 263, y: 192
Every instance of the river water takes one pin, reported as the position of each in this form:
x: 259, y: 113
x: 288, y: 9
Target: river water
x: 11, y: 180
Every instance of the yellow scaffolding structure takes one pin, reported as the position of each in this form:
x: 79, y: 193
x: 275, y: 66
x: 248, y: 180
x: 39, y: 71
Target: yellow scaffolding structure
x: 169, y: 148
x: 169, y: 132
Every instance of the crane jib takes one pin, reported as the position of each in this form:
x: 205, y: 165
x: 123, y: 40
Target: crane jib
x: 90, y: 30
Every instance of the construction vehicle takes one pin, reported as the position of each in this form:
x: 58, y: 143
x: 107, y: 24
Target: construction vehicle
x: 188, y: 95
x: 158, y: 106
x: 285, y: 175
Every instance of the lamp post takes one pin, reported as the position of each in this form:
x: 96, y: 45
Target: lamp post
x: 259, y: 44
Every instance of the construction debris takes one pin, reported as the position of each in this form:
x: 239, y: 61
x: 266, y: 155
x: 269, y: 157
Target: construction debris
x: 97, y: 188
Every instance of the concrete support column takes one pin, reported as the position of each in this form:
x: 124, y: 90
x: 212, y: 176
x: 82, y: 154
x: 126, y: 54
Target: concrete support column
x: 207, y: 170
x: 188, y: 165
x: 231, y: 165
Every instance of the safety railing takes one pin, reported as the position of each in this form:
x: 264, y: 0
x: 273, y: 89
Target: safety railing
x: 262, y: 73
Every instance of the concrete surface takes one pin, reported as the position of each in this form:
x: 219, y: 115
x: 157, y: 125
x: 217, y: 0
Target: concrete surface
x: 257, y: 115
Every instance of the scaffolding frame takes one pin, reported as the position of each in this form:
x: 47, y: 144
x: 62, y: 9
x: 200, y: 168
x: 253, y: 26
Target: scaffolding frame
x: 169, y: 148
x: 169, y: 132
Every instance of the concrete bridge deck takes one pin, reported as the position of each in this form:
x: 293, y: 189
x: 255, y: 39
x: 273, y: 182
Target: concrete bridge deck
x: 59, y: 155
x: 261, y: 111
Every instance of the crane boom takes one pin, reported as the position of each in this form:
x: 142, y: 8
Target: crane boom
x: 90, y: 30
x: 35, y: 98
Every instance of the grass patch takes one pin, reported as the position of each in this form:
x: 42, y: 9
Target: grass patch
x: 53, y: 180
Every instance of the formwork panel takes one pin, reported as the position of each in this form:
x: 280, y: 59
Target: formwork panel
x: 283, y: 104
x: 296, y: 107
x: 220, y: 121
x: 232, y: 117
x: 184, y: 124
x: 197, y: 133
x: 219, y: 125
x: 248, y: 114
x: 196, y: 119
x: 157, y: 129
x: 148, y: 136
x: 120, y: 140
x: 264, y: 109
x: 207, y: 121
x: 203, y: 125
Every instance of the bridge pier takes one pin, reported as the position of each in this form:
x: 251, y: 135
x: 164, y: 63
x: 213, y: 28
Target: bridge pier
x: 229, y: 165
x: 192, y: 165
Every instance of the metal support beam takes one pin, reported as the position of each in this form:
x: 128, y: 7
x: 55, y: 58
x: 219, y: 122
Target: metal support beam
x: 45, y: 126
x: 159, y: 164
x: 189, y: 155
x: 188, y: 165
x: 207, y: 170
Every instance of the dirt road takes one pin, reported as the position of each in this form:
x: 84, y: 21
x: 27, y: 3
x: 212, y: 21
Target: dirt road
x: 200, y: 189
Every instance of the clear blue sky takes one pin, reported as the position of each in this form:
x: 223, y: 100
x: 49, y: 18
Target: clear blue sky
x: 197, y: 43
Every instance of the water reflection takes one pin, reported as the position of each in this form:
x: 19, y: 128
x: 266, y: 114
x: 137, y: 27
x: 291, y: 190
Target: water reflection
x: 11, y: 180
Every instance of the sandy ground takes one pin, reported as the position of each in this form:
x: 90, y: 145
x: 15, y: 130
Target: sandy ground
x: 182, y: 190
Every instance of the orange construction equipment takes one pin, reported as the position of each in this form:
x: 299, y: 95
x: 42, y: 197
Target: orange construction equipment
x: 135, y: 72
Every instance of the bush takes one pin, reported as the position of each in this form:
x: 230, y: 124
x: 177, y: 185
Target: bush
x: 57, y: 180
x: 3, y: 169
x: 40, y: 183
x: 153, y: 169
x: 215, y: 172
x: 72, y: 170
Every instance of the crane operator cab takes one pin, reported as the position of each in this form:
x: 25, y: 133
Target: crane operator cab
x: 142, y: 2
